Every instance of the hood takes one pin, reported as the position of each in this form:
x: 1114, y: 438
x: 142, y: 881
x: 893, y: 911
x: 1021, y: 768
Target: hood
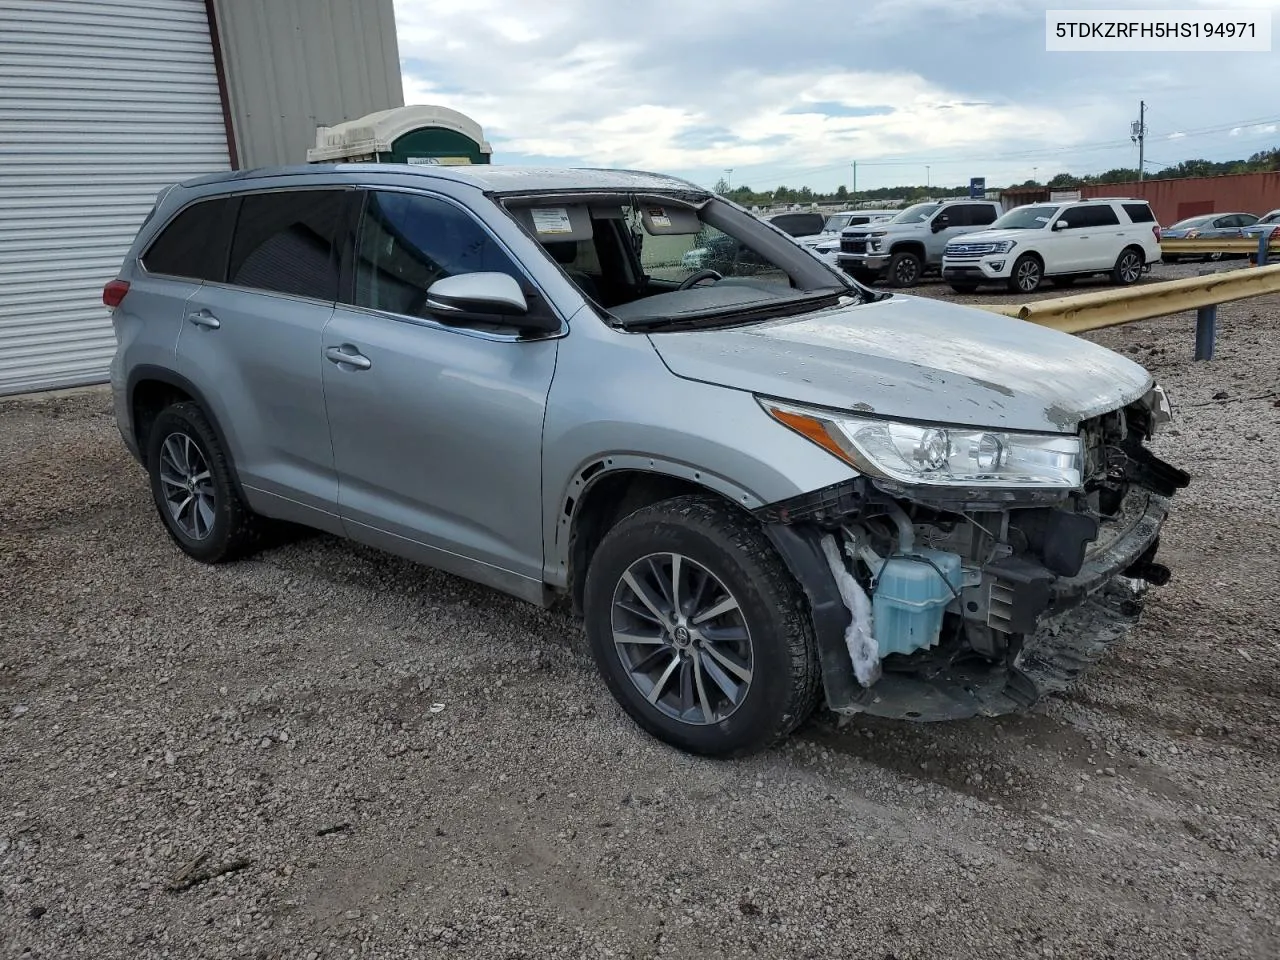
x: 994, y: 236
x: 884, y: 225
x: 915, y: 359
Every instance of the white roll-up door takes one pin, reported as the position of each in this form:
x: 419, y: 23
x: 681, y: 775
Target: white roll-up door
x: 102, y: 104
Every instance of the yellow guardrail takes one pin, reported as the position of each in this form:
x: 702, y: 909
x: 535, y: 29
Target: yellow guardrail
x: 1109, y: 308
x: 1190, y: 248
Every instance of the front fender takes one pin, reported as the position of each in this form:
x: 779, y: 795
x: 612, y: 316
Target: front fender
x: 614, y: 405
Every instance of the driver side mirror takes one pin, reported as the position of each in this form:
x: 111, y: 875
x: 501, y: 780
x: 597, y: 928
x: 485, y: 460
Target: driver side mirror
x: 941, y: 222
x: 1060, y: 224
x: 494, y: 298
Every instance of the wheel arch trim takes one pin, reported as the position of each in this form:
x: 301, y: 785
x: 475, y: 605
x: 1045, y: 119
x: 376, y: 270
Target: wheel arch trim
x: 150, y: 372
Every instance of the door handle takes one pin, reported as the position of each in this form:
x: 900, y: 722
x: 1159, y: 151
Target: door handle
x: 354, y: 358
x: 203, y: 318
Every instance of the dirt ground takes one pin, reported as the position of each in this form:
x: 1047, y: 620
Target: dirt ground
x: 328, y: 752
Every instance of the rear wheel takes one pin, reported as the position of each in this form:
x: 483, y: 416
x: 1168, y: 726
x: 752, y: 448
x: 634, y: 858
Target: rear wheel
x: 193, y: 488
x: 1128, y: 268
x: 1027, y: 274
x: 905, y: 269
x: 699, y: 630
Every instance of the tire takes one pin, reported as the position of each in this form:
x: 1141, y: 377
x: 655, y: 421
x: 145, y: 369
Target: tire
x: 216, y: 526
x: 964, y: 287
x: 1027, y: 274
x: 1128, y: 268
x: 725, y: 561
x: 1064, y: 281
x: 905, y: 269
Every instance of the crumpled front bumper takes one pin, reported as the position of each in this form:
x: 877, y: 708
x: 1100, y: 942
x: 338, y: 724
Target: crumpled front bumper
x: 1073, y: 623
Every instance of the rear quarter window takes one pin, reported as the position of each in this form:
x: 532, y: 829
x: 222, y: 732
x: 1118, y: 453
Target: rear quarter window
x: 194, y: 244
x: 1139, y: 212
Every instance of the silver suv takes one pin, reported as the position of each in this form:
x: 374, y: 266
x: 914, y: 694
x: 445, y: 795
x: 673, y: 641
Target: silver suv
x: 755, y: 483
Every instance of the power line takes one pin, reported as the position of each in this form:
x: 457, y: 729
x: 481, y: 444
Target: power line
x: 1014, y: 156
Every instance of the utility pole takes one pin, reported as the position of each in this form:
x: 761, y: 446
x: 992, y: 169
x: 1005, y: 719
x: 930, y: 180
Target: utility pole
x: 854, y: 197
x: 728, y: 179
x: 1138, y: 134
x: 927, y: 179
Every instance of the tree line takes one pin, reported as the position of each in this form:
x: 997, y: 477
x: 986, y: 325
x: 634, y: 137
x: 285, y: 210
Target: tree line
x: 1262, y: 161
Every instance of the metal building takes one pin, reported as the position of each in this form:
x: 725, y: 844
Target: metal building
x: 105, y: 102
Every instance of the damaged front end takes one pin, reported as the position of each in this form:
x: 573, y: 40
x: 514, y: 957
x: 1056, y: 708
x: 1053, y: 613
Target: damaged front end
x: 948, y: 600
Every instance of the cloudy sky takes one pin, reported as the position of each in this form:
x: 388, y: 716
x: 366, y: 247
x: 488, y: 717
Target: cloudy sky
x: 786, y: 92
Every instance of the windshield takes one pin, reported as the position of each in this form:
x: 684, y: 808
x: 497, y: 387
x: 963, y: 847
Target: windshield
x: 837, y: 223
x: 1191, y: 222
x: 917, y: 213
x: 660, y: 261
x: 1272, y: 217
x: 1025, y: 218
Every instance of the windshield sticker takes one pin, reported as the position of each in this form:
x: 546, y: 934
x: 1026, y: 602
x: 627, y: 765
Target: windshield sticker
x: 658, y: 217
x: 1043, y: 219
x: 551, y: 220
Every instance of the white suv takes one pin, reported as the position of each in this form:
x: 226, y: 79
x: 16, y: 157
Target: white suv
x: 1061, y: 241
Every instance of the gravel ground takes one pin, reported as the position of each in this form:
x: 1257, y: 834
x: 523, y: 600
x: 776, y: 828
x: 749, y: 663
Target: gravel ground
x: 328, y: 752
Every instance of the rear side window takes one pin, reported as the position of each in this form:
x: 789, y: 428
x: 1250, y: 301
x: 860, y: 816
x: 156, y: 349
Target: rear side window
x: 971, y: 215
x: 1092, y: 215
x: 194, y: 244
x: 799, y: 224
x: 407, y: 242
x: 1139, y: 212
x: 286, y: 242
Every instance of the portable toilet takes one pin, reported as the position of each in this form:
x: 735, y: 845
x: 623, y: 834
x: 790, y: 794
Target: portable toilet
x: 419, y: 134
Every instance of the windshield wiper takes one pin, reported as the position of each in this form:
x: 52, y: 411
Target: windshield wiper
x: 735, y: 316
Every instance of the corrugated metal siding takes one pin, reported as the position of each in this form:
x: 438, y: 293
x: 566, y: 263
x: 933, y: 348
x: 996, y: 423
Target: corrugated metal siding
x: 294, y: 65
x: 102, y: 104
x: 1173, y: 200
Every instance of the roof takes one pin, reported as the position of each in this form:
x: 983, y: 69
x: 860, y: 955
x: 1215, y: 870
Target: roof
x: 492, y: 178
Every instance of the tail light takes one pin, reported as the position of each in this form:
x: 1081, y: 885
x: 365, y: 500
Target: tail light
x: 1156, y: 231
x: 113, y: 293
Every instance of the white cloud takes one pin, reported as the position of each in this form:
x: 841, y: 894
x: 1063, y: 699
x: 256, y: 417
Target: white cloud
x: 774, y: 90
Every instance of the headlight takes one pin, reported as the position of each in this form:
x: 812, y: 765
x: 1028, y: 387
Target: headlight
x: 1004, y: 246
x: 932, y: 455
x: 878, y: 233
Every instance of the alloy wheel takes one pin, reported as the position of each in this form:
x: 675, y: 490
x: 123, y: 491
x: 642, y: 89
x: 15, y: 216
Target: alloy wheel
x: 1028, y: 275
x: 682, y: 638
x: 187, y: 485
x: 906, y: 271
x: 1130, y: 268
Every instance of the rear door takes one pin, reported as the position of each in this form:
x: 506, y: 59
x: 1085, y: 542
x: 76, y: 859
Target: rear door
x: 960, y: 220
x: 251, y: 344
x: 437, y: 429
x: 1091, y: 239
x: 190, y: 250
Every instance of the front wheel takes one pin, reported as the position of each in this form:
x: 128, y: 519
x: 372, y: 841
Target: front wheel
x: 699, y: 630
x: 905, y: 269
x: 1128, y: 268
x: 1027, y: 274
